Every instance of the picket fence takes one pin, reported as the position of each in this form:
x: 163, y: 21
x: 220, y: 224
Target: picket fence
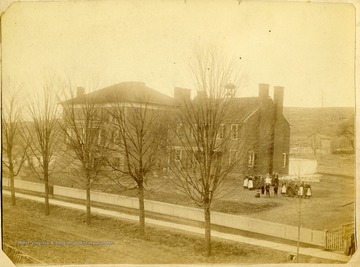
x: 338, y: 239
x: 308, y: 236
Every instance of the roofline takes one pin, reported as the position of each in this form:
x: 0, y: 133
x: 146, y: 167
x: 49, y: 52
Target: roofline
x: 248, y: 117
x: 89, y: 95
x: 286, y: 119
x: 128, y: 104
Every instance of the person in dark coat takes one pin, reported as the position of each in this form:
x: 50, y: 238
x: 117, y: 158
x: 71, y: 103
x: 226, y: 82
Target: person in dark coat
x: 276, y: 190
x: 267, y: 188
x: 308, y: 192
x: 276, y: 180
x: 351, y: 250
x: 262, y: 185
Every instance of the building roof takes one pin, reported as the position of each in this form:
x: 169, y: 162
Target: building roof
x: 242, y: 108
x: 239, y: 108
x: 133, y: 92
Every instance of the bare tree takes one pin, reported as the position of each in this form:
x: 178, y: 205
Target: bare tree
x: 299, y: 169
x: 139, y: 139
x: 42, y: 134
x: 202, y: 152
x: 86, y: 138
x: 314, y: 144
x: 13, y: 146
x: 347, y: 130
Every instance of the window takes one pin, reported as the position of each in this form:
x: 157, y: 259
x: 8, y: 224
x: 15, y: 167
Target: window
x: 187, y: 159
x: 114, y: 119
x: 97, y: 162
x: 177, y: 155
x: 103, y: 137
x: 233, y: 156
x: 194, y: 130
x: 118, y: 163
x: 104, y: 115
x: 252, y: 159
x: 180, y: 129
x: 94, y: 135
x: 199, y: 156
x: 207, y: 130
x: 221, y: 132
x: 234, y: 131
x: 116, y: 136
x: 284, y: 160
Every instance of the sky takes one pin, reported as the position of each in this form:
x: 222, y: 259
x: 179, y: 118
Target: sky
x: 309, y: 48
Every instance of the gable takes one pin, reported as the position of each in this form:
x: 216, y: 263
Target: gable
x: 240, y: 109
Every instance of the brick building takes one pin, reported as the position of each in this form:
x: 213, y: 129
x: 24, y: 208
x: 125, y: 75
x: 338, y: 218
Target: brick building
x: 258, y: 131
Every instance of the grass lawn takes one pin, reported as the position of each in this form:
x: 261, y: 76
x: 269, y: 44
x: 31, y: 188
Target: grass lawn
x: 333, y: 194
x: 51, y: 239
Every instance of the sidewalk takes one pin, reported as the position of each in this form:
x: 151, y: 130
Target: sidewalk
x: 313, y: 252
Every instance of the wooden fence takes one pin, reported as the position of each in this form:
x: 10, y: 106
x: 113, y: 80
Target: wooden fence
x: 338, y: 239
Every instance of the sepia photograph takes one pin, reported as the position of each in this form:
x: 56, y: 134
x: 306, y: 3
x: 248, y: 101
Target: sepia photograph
x: 178, y: 133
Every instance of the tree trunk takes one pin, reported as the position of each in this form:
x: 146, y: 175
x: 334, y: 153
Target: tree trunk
x: 47, y: 208
x: 12, y: 188
x: 88, y: 206
x: 207, y: 229
x: 299, y: 225
x: 141, y: 211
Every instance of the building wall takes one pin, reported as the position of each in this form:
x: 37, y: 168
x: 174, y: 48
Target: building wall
x: 249, y: 145
x: 281, y: 146
x: 301, y: 167
x: 265, y: 133
x: 266, y: 136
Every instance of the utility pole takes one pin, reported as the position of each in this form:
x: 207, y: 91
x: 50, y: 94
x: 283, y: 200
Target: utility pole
x: 299, y: 224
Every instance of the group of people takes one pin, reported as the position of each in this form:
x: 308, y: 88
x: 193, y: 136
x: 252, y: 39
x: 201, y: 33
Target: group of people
x: 270, y: 183
x: 265, y: 183
x: 296, y: 189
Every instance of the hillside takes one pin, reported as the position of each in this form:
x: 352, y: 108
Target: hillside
x: 307, y: 121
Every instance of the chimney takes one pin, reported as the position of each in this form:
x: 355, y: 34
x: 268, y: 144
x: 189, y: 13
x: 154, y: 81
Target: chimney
x: 279, y: 100
x: 181, y: 94
x: 80, y: 91
x: 263, y: 92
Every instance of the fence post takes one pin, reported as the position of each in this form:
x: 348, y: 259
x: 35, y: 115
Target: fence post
x: 325, y: 239
x: 51, y: 191
x: 344, y: 239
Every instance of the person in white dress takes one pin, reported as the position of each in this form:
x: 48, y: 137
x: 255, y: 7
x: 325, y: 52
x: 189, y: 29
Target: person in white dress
x: 251, y: 183
x: 308, y: 192
x: 246, y: 182
x: 283, y: 189
x: 267, y: 179
x: 301, y: 190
